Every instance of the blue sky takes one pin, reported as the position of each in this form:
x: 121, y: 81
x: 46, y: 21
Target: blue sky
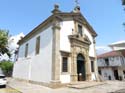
x: 105, y: 16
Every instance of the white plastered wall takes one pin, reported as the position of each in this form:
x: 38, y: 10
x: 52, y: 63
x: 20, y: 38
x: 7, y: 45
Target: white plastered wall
x: 91, y: 52
x: 106, y: 72
x: 66, y: 30
x: 37, y: 67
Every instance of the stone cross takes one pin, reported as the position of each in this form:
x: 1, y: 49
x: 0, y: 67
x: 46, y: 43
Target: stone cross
x: 77, y: 3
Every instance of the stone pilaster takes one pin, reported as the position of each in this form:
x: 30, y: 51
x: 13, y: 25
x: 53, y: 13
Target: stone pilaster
x: 88, y: 67
x: 95, y: 62
x: 55, y: 55
x: 74, y: 76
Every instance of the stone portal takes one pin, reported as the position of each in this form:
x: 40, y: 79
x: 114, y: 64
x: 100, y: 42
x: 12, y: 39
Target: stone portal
x: 81, y: 68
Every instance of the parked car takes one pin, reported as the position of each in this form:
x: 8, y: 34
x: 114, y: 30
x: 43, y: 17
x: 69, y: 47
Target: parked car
x: 3, y: 80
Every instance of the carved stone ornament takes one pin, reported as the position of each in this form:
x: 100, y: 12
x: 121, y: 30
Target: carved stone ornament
x: 79, y: 41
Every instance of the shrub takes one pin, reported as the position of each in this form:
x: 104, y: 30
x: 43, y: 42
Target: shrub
x: 7, y: 67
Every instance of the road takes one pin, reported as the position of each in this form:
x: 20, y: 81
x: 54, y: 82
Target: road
x: 11, y: 90
x: 8, y: 90
x: 120, y: 91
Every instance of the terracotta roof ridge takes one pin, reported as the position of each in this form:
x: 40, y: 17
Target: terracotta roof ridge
x: 108, y: 54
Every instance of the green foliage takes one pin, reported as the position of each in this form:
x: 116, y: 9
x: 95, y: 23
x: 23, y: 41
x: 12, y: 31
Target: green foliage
x: 7, y: 67
x: 4, y: 42
x: 123, y: 2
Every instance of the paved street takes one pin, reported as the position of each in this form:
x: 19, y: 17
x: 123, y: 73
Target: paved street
x: 107, y: 87
x: 120, y: 91
x: 8, y: 90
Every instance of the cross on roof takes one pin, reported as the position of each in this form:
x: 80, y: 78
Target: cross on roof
x: 77, y: 3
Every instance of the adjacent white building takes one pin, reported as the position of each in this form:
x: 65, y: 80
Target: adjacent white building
x: 59, y: 50
x: 111, y: 65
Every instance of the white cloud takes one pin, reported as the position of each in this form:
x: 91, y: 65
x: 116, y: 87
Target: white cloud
x: 13, y: 40
x: 102, y: 49
x: 12, y: 44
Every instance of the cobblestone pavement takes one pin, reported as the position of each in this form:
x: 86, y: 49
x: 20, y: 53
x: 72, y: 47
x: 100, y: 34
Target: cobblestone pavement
x: 8, y: 90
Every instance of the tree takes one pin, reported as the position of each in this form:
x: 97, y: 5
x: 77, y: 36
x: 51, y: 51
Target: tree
x: 7, y: 67
x: 123, y: 2
x: 4, y: 42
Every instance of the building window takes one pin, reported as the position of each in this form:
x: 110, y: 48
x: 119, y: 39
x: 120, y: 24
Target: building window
x: 92, y: 66
x: 124, y: 74
x: 112, y: 58
x: 80, y: 30
x: 26, y: 50
x: 107, y: 62
x: 100, y: 73
x: 38, y: 45
x: 64, y: 64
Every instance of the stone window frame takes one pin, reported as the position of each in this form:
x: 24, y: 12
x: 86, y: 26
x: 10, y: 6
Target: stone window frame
x: 64, y: 70
x: 80, y: 30
x: 77, y: 29
x: 67, y: 55
x: 92, y: 66
x: 92, y: 59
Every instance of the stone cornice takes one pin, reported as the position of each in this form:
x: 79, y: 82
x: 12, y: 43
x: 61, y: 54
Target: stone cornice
x: 80, y: 18
x: 58, y: 16
x: 65, y: 53
x: 48, y: 22
x: 80, y: 42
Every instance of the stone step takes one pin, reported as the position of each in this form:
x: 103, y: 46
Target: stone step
x: 83, y: 85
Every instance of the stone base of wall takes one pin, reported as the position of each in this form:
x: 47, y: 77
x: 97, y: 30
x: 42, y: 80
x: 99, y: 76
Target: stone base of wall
x: 52, y: 84
x: 22, y: 80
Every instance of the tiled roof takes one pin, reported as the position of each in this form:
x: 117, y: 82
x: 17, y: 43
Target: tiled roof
x: 109, y: 54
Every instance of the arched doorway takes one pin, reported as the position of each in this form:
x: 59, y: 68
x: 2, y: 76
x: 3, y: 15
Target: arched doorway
x: 81, y: 67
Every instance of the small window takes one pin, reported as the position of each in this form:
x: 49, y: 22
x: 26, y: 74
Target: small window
x: 92, y: 66
x: 100, y: 73
x: 80, y: 29
x: 64, y: 64
x: 112, y: 58
x: 124, y: 73
x: 38, y: 45
x: 26, y: 50
x: 107, y: 61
